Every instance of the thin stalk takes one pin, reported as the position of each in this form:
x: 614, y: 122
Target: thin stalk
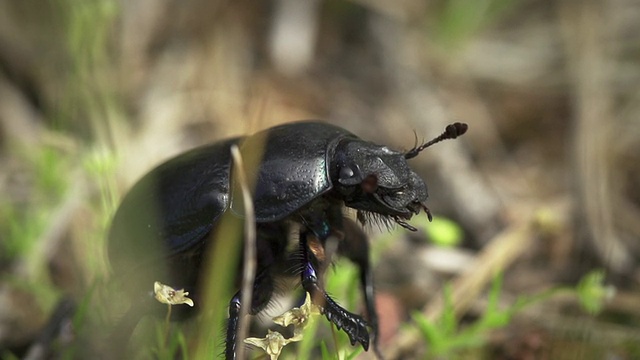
x: 249, y: 267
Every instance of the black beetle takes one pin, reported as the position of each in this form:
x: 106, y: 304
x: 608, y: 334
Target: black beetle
x: 306, y: 173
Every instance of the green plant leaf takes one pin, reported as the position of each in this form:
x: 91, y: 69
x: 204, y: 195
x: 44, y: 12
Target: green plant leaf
x: 592, y: 292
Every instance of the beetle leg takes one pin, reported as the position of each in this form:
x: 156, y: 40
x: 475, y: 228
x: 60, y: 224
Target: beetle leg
x: 232, y: 327
x: 262, y: 291
x: 354, y: 325
x: 355, y: 246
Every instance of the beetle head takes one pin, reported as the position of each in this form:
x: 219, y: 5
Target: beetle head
x: 376, y: 180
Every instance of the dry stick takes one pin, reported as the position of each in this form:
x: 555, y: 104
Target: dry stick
x: 249, y: 267
x: 585, y: 27
x: 497, y: 256
x: 501, y: 251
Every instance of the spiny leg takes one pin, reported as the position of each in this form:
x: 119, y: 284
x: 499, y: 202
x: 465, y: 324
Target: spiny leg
x: 354, y: 325
x: 355, y: 246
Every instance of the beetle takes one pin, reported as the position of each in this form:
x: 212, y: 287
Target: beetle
x: 305, y: 174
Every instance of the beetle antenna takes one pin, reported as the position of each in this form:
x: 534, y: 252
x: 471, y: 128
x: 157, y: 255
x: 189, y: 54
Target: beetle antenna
x: 452, y: 131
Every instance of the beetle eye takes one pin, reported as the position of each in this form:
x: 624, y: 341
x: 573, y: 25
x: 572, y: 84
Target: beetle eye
x: 346, y: 173
x: 369, y: 184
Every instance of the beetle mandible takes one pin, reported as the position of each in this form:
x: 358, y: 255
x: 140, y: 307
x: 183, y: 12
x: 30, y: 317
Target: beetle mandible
x: 306, y: 174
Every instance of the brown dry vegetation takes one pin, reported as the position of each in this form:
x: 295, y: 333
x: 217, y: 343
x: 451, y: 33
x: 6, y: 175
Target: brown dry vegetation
x: 545, y: 184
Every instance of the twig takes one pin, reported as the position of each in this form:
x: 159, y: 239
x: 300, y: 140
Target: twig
x: 585, y: 27
x: 249, y: 267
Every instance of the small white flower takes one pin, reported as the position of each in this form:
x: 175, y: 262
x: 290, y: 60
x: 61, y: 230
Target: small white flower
x: 272, y: 344
x: 298, y: 317
x: 168, y: 295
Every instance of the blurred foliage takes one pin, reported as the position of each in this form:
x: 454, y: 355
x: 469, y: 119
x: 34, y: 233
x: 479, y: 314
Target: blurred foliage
x: 47, y: 169
x: 447, y: 338
x: 90, y: 91
x: 441, y: 231
x: 593, y: 293
x: 95, y: 93
x: 458, y: 21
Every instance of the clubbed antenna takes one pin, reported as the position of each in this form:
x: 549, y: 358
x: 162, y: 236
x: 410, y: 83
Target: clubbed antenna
x: 452, y: 131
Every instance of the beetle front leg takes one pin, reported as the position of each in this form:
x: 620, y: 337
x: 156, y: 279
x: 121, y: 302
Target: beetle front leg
x: 355, y: 246
x: 262, y: 291
x: 354, y: 325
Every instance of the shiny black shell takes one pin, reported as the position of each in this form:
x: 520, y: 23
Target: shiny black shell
x: 179, y: 202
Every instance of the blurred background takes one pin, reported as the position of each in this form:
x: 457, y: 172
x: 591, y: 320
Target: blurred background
x: 544, y: 188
